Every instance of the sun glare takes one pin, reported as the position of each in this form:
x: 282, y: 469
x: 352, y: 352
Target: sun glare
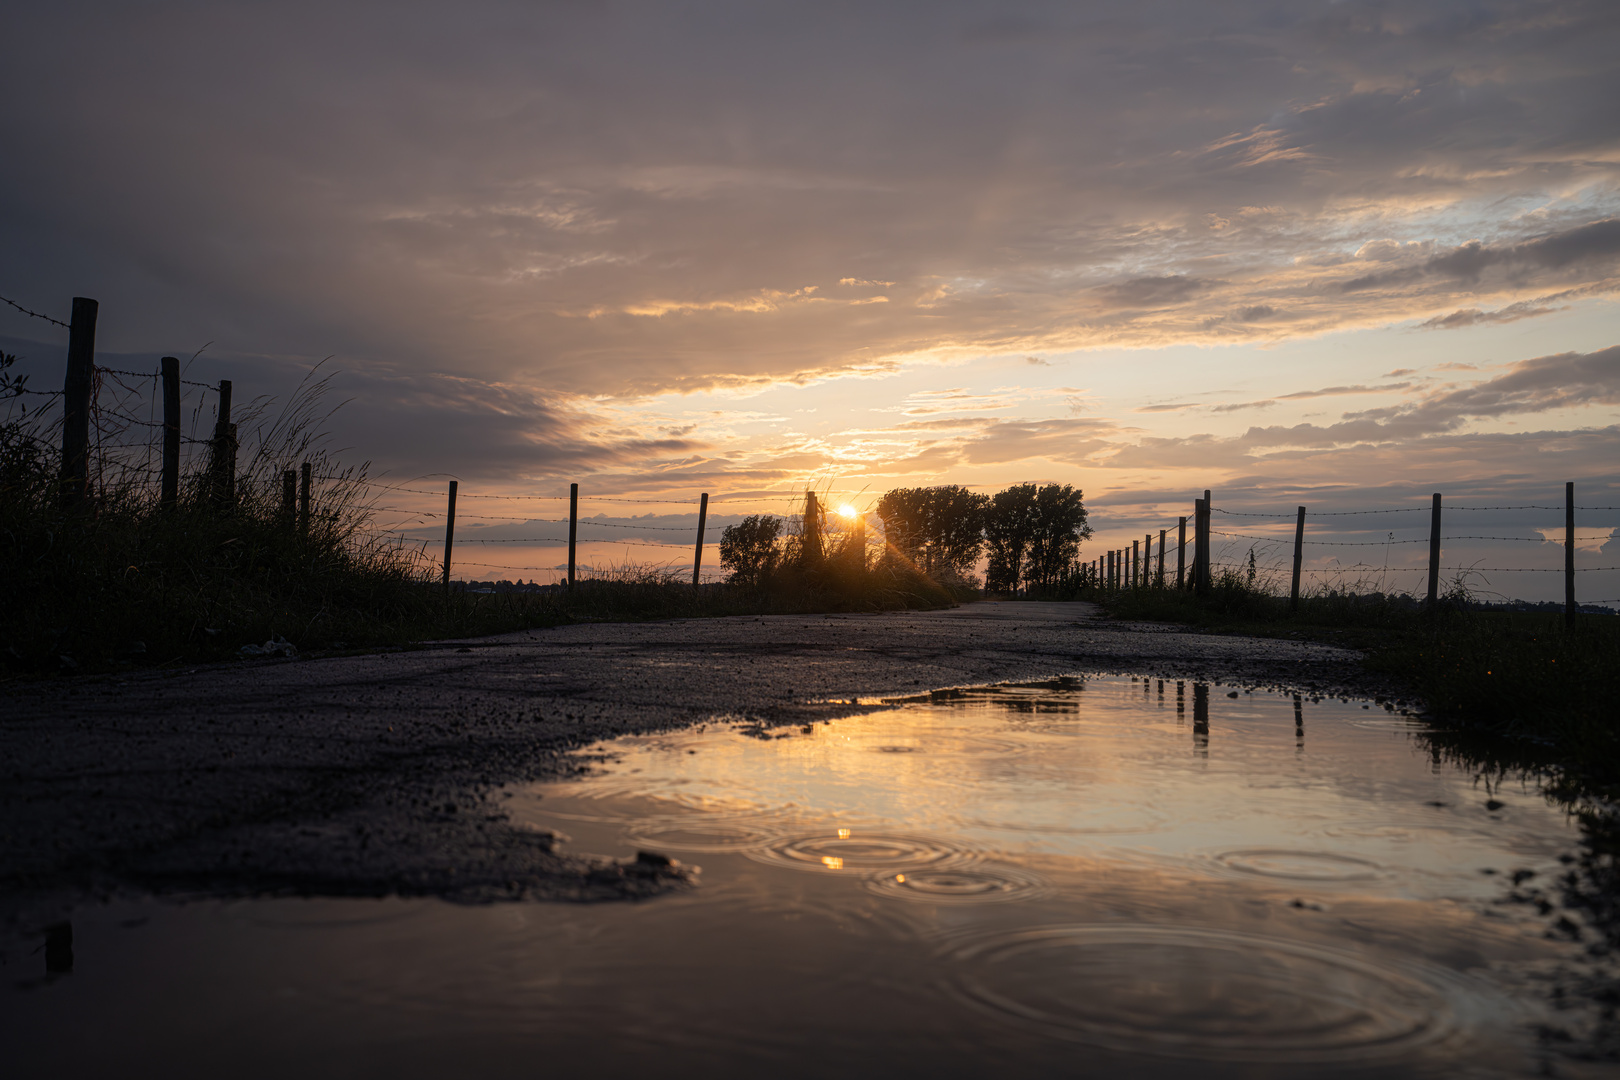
x: 847, y: 510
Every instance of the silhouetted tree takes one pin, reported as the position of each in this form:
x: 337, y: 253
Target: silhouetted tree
x: 1059, y: 526
x: 748, y: 549
x: 937, y: 528
x: 1033, y: 535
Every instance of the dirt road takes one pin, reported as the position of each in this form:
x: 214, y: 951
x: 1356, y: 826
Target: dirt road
x: 372, y: 774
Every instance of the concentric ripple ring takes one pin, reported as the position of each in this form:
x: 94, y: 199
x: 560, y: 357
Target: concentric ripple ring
x: 958, y: 884
x: 858, y: 851
x: 1299, y: 865
x: 1206, y: 994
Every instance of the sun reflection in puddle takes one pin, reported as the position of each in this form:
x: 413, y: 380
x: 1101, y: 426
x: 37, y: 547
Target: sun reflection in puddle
x: 1191, y: 810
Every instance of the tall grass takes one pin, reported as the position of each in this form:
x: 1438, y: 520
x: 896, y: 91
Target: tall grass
x: 121, y: 580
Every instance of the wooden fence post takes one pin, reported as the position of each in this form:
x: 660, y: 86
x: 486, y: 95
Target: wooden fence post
x: 76, y: 389
x: 1136, y: 562
x: 810, y: 534
x: 1181, y: 552
x: 1147, y: 560
x: 573, y: 529
x: 1434, y: 553
x: 1570, y: 607
x: 1160, y: 582
x: 703, y: 518
x: 303, y: 498
x: 289, y: 498
x: 223, y: 465
x: 1299, y: 555
x: 1201, y: 546
x: 1109, y: 579
x: 449, y: 533
x: 169, y: 496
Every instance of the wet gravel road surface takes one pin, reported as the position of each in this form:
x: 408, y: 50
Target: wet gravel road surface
x: 373, y: 774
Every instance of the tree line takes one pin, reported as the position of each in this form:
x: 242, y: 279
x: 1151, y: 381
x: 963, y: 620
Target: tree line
x: 1031, y: 534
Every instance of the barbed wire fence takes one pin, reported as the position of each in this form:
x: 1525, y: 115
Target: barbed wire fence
x: 1267, y: 564
x: 143, y: 430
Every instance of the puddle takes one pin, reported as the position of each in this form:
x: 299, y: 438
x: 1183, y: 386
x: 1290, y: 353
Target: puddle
x: 1139, y: 876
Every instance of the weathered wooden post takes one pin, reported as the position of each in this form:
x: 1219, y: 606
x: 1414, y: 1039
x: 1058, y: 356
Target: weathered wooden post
x: 703, y: 518
x: 224, y: 450
x: 1299, y: 556
x: 1181, y: 553
x: 449, y: 533
x: 169, y: 491
x: 289, y: 498
x: 1434, y: 554
x: 1570, y: 607
x: 573, y: 529
x: 76, y: 389
x: 1147, y: 560
x: 1136, y: 563
x: 1108, y: 581
x: 304, y: 481
x: 1160, y: 582
x: 1201, y: 546
x: 810, y: 535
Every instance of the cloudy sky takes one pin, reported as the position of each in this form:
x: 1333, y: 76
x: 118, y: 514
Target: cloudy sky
x: 1335, y: 253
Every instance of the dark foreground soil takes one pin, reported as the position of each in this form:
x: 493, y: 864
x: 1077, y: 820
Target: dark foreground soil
x: 373, y: 775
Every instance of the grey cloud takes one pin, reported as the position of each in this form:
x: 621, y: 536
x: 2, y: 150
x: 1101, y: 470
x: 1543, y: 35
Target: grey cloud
x: 630, y: 199
x: 1597, y: 241
x: 1153, y: 291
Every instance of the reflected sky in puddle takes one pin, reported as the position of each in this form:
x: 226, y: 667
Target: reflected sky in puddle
x: 1151, y: 876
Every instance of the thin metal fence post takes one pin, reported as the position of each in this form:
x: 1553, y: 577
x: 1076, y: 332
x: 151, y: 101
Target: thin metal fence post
x: 573, y: 529
x: 1570, y: 607
x: 1434, y: 554
x: 77, y: 386
x: 1299, y: 555
x: 169, y: 496
x: 703, y: 518
x: 449, y: 533
x: 1181, y: 552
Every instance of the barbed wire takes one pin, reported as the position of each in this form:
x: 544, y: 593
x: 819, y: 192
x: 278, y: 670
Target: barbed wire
x: 1424, y: 540
x: 1279, y: 516
x: 36, y: 314
x: 128, y: 374
x: 564, y: 540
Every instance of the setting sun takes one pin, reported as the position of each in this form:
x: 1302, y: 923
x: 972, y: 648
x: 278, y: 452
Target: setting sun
x: 847, y: 510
